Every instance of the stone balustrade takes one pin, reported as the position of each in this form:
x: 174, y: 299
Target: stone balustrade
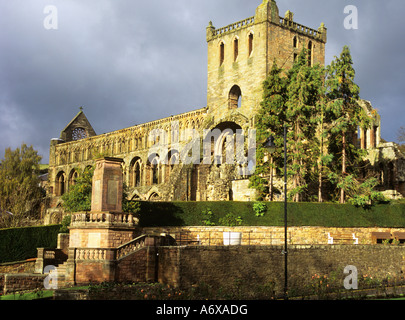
x: 91, y: 254
x: 130, y: 247
x: 104, y: 254
x: 80, y: 219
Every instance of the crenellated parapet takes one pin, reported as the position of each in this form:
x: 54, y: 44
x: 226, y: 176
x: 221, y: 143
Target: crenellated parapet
x: 267, y: 12
x: 319, y: 34
x: 213, y: 33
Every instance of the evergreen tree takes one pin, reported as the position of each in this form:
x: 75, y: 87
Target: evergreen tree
x: 321, y: 110
x: 345, y: 115
x: 304, y: 83
x: 270, y: 120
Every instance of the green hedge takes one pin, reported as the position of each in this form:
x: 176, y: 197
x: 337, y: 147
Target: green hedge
x: 299, y: 214
x: 18, y: 244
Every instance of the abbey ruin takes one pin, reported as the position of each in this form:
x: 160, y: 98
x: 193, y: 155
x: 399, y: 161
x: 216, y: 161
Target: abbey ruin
x: 153, y: 154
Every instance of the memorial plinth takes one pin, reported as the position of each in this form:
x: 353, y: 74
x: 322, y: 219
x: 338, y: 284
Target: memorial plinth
x: 105, y: 226
x: 106, y: 193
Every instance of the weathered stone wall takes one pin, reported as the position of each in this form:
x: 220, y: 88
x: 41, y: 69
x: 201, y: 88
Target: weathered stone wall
x: 272, y: 235
x: 223, y: 266
x: 137, y: 267
x: 18, y: 267
x: 99, y: 237
x: 94, y: 272
x: 21, y: 281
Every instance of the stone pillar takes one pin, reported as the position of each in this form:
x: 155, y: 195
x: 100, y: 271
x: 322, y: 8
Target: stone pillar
x: 107, y: 186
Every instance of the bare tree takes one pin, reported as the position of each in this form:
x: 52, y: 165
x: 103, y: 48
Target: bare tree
x: 401, y: 135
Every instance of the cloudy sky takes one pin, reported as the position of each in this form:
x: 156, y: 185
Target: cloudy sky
x: 129, y: 61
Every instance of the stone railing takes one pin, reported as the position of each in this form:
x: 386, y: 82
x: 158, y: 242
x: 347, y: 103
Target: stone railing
x: 92, y: 254
x: 299, y: 27
x: 110, y: 254
x: 80, y: 219
x: 138, y: 243
x: 234, y: 26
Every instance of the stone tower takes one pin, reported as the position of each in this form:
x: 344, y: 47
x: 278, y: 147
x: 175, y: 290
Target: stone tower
x: 240, y: 56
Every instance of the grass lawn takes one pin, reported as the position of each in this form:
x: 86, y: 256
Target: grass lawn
x: 44, y: 294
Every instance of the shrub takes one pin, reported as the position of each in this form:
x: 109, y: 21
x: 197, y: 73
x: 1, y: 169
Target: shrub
x: 259, y: 208
x: 65, y: 224
x: 17, y: 244
x: 231, y: 220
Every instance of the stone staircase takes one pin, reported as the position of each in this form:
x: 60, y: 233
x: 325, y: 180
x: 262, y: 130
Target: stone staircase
x: 58, y: 277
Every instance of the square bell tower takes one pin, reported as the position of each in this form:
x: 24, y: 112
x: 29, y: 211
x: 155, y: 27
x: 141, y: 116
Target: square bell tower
x: 241, y: 55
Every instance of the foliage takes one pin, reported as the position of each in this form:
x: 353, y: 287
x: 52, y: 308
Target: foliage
x: 271, y: 117
x: 345, y: 114
x: 361, y: 194
x: 65, y: 224
x: 319, y: 106
x: 79, y: 196
x: 304, y: 83
x: 207, y: 217
x: 259, y: 208
x: 20, y: 193
x: 165, y: 214
x: 129, y: 206
x: 230, y: 220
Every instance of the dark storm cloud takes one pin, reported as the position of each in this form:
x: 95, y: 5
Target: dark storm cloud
x: 129, y: 62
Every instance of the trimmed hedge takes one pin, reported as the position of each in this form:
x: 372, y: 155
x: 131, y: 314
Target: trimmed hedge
x: 18, y: 244
x: 299, y: 214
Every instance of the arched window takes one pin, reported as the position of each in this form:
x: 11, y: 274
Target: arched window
x: 72, y: 177
x: 154, y: 197
x: 60, y: 184
x: 310, y: 53
x: 235, y: 49
x: 295, y: 42
x: 135, y: 172
x: 235, y: 97
x: 153, y: 172
x: 221, y: 53
x: 250, y: 44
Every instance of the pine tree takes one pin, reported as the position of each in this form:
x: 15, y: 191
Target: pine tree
x: 304, y: 83
x: 321, y: 110
x: 271, y: 118
x: 345, y: 115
